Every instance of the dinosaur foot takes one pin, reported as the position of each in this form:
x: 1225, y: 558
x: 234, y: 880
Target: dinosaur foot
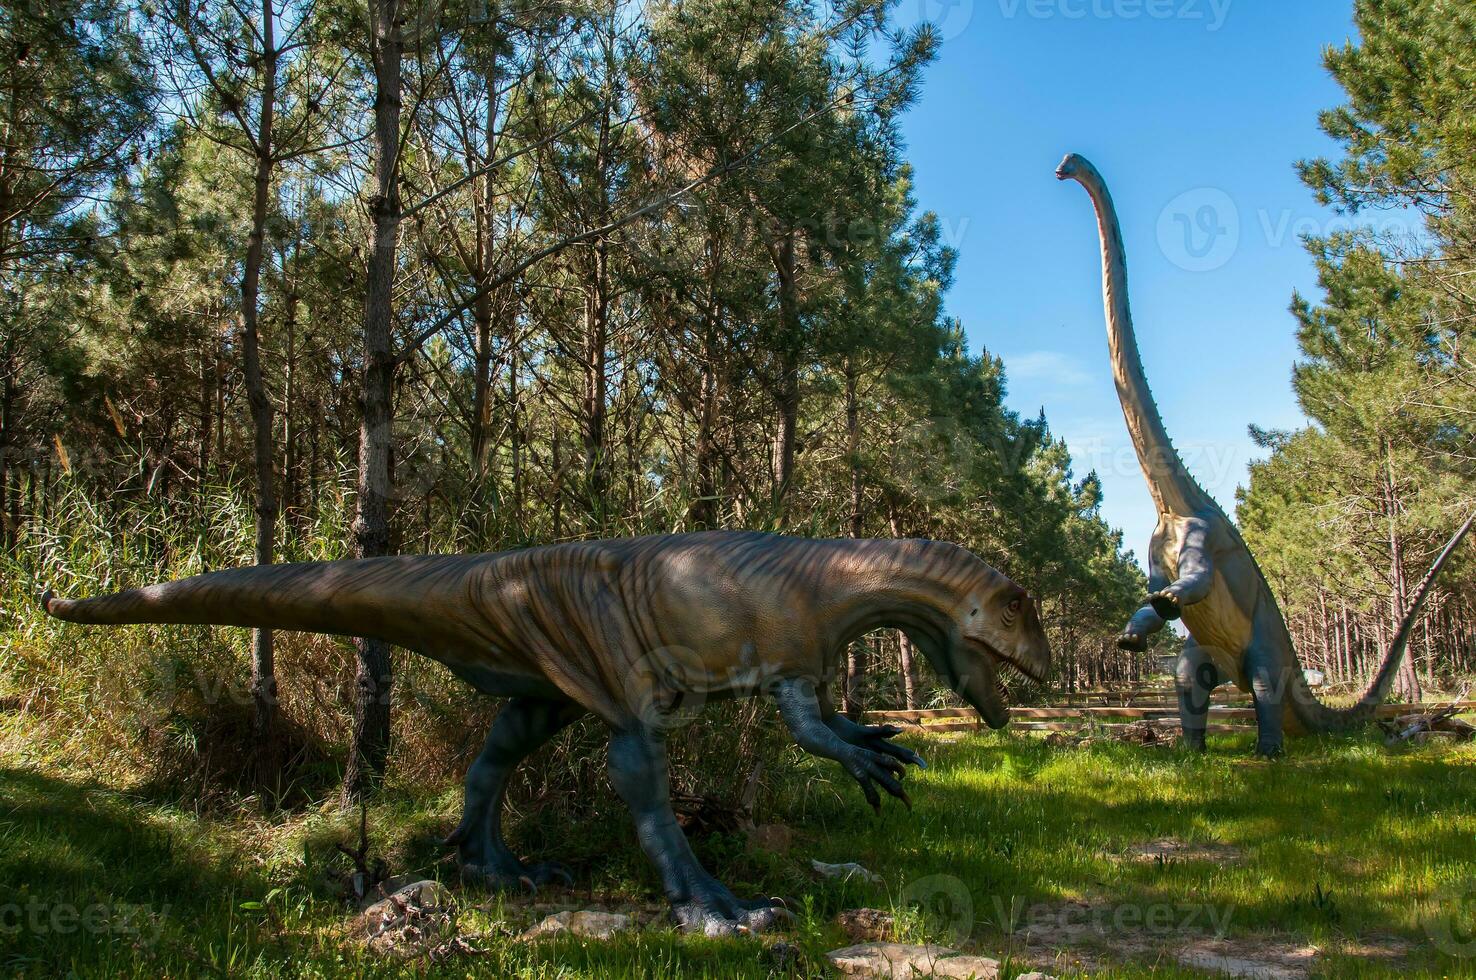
x: 1267, y: 749
x: 517, y: 877
x: 1193, y: 741
x: 717, y: 912
x: 1166, y: 604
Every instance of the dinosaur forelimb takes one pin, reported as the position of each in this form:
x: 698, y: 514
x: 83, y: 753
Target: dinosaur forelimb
x: 873, y: 737
x: 1145, y: 622
x: 800, y: 709
x: 1196, y: 573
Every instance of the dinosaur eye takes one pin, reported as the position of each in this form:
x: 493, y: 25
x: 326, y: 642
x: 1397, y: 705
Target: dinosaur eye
x: 1014, y: 605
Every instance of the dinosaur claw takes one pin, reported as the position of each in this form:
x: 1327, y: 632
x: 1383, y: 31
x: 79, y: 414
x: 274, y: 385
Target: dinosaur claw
x: 1166, y: 604
x: 1131, y: 642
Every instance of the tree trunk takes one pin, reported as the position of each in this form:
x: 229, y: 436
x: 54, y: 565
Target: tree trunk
x: 910, y: 686
x: 263, y: 667
x: 596, y: 386
x: 482, y: 308
x: 1407, y: 682
x: 374, y: 675
x: 788, y: 395
x: 702, y: 510
x: 854, y: 662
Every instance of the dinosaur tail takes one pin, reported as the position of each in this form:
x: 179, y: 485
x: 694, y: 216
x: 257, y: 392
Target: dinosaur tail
x: 1318, y: 717
x: 402, y: 599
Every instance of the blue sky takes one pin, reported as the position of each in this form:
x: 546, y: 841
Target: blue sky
x: 1195, y: 112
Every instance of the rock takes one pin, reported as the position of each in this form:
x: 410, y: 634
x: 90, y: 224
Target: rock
x: 894, y: 961
x: 845, y: 871
x: 865, y: 925
x: 417, y: 919
x: 1035, y: 975
x: 773, y: 837
x: 390, y: 886
x: 590, y: 923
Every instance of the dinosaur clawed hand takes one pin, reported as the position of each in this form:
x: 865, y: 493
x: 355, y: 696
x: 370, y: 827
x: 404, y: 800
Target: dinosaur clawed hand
x: 1132, y: 642
x: 1166, y: 604
x: 868, y: 768
x: 875, y: 738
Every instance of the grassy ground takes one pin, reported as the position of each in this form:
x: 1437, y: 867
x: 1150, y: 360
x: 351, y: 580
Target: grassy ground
x: 1014, y: 848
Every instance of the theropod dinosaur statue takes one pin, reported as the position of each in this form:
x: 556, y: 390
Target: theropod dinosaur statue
x: 1199, y: 566
x: 625, y: 630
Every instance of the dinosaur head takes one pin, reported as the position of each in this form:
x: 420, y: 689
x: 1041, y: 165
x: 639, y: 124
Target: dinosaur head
x: 998, y: 623
x: 1072, y: 166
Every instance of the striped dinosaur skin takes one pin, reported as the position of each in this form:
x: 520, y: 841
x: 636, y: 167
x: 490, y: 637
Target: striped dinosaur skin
x: 1199, y: 566
x: 632, y: 631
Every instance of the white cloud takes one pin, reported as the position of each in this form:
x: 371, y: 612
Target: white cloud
x: 1046, y: 366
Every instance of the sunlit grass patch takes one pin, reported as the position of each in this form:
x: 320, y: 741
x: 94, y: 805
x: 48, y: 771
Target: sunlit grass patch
x: 1343, y: 846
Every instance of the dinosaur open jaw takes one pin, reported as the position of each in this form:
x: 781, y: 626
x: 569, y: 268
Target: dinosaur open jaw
x: 1002, y: 658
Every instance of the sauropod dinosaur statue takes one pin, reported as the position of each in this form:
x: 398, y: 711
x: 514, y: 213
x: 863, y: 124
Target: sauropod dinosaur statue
x: 625, y: 630
x: 1200, y: 568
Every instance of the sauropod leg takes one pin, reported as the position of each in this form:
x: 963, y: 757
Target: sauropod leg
x: 1195, y: 679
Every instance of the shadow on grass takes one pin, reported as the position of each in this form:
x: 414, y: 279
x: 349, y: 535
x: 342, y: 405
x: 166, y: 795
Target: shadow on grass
x: 90, y: 876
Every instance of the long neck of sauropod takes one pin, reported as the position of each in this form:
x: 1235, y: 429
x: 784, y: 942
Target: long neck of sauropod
x: 1173, y: 489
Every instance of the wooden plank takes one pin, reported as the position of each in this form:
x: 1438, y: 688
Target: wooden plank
x: 1053, y: 726
x: 921, y: 716
x: 1215, y: 711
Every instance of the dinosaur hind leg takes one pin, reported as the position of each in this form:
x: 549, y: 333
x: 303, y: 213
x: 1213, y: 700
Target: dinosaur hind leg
x: 699, y: 901
x: 1195, y: 679
x: 519, y: 729
x: 1267, y: 673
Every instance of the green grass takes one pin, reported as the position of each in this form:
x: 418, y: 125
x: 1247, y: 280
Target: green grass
x: 1342, y: 840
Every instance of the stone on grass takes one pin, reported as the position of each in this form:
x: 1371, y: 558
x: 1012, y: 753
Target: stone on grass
x: 845, y: 872
x: 865, y: 925
x: 416, y: 919
x: 1035, y: 975
x: 894, y: 961
x: 590, y: 923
